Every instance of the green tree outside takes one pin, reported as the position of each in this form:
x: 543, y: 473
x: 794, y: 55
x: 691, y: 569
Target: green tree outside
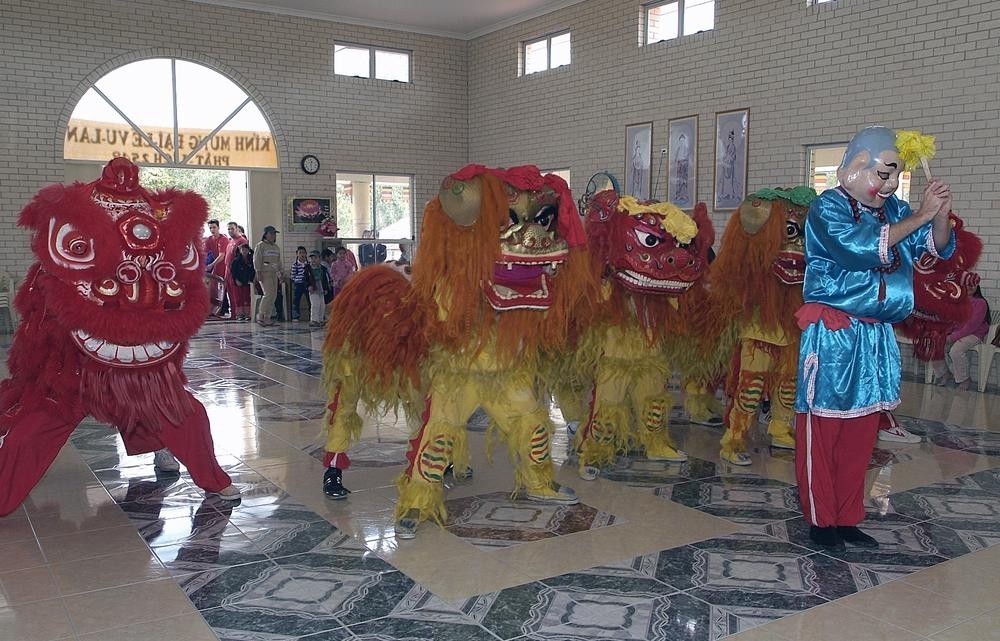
x: 212, y: 185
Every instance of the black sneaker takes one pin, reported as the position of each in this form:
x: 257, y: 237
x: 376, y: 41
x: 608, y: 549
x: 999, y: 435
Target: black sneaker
x: 827, y: 537
x: 333, y: 485
x: 854, y: 536
x: 465, y: 476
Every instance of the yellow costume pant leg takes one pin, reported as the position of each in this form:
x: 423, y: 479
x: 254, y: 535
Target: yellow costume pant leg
x: 651, y: 404
x: 782, y: 394
x: 606, y: 431
x: 755, y: 363
x: 525, y: 427
x: 343, y: 424
x: 442, y: 436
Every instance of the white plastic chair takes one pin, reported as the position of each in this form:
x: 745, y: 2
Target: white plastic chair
x: 986, y: 350
x: 928, y: 369
x: 7, y: 290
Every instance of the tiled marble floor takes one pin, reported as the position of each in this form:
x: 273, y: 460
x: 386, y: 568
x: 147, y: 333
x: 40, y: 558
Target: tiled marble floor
x: 105, y: 549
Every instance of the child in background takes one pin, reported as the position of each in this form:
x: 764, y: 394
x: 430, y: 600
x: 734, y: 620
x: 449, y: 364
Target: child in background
x: 299, y: 268
x: 963, y: 339
x: 318, y: 283
x: 341, y: 269
x: 243, y: 275
x: 327, y: 259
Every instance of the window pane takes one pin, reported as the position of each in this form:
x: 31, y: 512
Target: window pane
x: 195, y: 84
x: 351, y: 61
x: 535, y: 56
x: 699, y: 15
x: 560, y: 51
x: 393, y: 207
x: 245, y: 141
x: 392, y: 65
x: 354, y: 205
x: 661, y: 22
x: 823, y: 163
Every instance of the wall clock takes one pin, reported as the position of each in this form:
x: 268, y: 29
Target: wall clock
x: 310, y: 164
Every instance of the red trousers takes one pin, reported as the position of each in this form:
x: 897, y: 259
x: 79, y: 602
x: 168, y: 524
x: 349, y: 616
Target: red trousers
x: 34, y: 441
x: 831, y: 458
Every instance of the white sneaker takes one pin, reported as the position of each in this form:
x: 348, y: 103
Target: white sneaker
x: 164, y: 461
x: 230, y: 493
x: 897, y: 434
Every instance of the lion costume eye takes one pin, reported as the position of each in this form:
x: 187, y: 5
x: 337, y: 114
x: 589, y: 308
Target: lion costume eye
x: 69, y: 248
x: 646, y: 239
x: 792, y: 230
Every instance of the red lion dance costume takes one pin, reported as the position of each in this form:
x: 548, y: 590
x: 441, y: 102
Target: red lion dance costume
x: 483, y: 309
x: 106, y: 313
x: 652, y: 259
x: 756, y: 290
x: 941, y: 299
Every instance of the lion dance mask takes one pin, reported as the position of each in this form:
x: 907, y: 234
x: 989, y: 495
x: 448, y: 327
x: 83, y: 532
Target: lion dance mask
x: 757, y: 288
x: 941, y: 300
x: 500, y: 266
x: 107, y: 310
x: 652, y: 259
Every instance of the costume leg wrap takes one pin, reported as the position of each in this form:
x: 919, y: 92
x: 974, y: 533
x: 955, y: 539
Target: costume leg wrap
x: 420, y: 486
x: 651, y: 432
x: 605, y: 435
x: 343, y: 424
x: 743, y: 410
x: 782, y: 423
x: 529, y: 439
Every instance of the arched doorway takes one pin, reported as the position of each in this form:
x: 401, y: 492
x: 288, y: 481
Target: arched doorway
x: 184, y: 124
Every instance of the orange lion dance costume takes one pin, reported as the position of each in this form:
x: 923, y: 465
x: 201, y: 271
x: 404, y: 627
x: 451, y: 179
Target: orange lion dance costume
x: 107, y: 310
x: 483, y: 309
x: 652, y: 259
x: 757, y: 288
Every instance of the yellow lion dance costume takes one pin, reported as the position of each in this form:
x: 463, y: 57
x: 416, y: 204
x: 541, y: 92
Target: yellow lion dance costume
x: 501, y: 264
x: 652, y: 259
x: 757, y: 288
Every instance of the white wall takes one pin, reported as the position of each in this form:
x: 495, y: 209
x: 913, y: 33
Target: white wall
x: 808, y: 74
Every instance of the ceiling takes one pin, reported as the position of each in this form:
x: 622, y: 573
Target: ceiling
x: 465, y: 19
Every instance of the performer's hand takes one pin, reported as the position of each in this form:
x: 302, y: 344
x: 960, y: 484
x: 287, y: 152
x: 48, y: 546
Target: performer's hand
x: 937, y: 194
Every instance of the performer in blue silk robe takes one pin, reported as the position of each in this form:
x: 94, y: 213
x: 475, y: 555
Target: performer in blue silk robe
x: 861, y: 242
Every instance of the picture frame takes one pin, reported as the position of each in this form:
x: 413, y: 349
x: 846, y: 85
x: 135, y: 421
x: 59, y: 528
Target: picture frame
x: 305, y: 213
x: 682, y: 161
x: 638, y: 154
x: 729, y: 185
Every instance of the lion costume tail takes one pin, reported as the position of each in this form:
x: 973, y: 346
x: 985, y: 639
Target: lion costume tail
x: 376, y: 334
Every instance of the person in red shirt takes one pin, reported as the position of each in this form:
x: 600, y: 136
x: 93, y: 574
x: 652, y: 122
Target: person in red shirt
x: 236, y: 238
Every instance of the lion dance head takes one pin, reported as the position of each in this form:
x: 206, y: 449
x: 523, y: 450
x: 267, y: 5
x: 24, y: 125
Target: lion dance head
x: 118, y: 280
x: 941, y: 293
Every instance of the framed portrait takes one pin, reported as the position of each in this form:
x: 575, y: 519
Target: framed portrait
x: 638, y: 149
x: 307, y: 212
x: 682, y: 159
x: 732, y: 129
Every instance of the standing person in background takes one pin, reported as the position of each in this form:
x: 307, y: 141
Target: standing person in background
x: 235, y: 240
x: 861, y: 243
x: 242, y: 275
x: 298, y: 276
x: 270, y: 273
x: 318, y: 283
x: 341, y: 269
x: 215, y: 246
x: 326, y: 258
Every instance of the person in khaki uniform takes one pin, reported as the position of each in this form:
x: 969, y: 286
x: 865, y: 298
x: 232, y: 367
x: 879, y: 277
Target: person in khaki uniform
x: 270, y: 273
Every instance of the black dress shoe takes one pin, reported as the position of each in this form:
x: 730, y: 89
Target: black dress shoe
x: 333, y: 486
x: 854, y: 536
x: 826, y: 537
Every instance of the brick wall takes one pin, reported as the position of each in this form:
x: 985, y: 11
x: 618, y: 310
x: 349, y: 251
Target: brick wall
x: 51, y: 50
x: 809, y: 75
